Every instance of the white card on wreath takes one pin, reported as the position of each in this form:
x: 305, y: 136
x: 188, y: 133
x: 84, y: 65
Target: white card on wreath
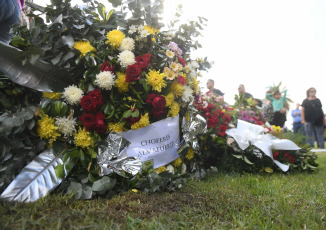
x: 158, y: 141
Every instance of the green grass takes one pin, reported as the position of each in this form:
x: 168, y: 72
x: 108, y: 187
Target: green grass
x: 222, y: 201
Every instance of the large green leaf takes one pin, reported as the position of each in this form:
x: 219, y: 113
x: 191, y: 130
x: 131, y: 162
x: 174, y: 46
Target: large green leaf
x: 42, y: 76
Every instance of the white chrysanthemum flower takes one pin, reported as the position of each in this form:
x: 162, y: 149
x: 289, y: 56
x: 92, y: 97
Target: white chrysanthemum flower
x: 183, y: 169
x: 182, y: 38
x: 66, y: 126
x: 192, y: 74
x: 132, y: 29
x: 105, y: 80
x: 187, y: 95
x: 205, y: 104
x: 144, y: 33
x: 72, y: 94
x: 127, y: 44
x: 194, y: 65
x: 170, y: 168
x: 169, y: 53
x: 170, y: 34
x: 140, y: 28
x: 229, y: 141
x: 126, y: 58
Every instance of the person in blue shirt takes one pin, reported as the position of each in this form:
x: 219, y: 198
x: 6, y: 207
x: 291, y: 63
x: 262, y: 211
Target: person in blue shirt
x: 297, y: 124
x: 9, y: 15
x: 279, y: 112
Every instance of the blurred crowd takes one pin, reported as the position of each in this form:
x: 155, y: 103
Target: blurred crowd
x: 308, y: 117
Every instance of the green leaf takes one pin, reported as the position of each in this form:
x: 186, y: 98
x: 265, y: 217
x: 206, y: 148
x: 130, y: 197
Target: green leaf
x: 247, y: 161
x: 42, y: 76
x: 104, y: 184
x: 127, y: 113
x: 60, y: 171
x: 135, y: 113
x: 237, y: 156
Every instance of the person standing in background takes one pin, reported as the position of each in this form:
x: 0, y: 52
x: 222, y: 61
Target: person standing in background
x: 243, y: 93
x: 278, y: 103
x: 214, y: 92
x: 312, y: 116
x: 9, y: 15
x: 296, y: 115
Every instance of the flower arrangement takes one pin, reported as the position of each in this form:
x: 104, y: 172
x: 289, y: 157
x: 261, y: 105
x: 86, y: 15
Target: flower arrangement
x: 218, y: 146
x: 126, y: 75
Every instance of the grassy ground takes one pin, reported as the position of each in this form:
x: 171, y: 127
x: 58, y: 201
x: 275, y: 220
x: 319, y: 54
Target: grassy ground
x: 222, y: 201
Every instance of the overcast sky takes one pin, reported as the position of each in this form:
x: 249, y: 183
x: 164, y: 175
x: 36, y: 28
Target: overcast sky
x: 261, y: 42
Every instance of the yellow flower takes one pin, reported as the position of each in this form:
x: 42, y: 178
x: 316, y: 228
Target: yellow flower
x: 190, y: 154
x: 143, y: 122
x: 151, y: 30
x: 52, y: 95
x: 187, y: 69
x: 177, y: 162
x: 276, y: 128
x: 161, y: 169
x: 47, y: 130
x: 200, y: 60
x: 268, y: 170
x: 116, y: 127
x: 84, y: 47
x: 169, y: 99
x: 115, y: 38
x: 187, y: 116
x: 83, y: 138
x: 156, y: 80
x: 175, y: 108
x: 153, y: 40
x: 195, y: 85
x: 120, y: 82
x: 177, y: 89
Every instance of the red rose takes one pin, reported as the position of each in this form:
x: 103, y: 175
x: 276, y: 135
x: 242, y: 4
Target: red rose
x: 181, y: 80
x: 215, y: 119
x: 100, y: 126
x: 208, y: 115
x: 87, y: 103
x: 275, y: 155
x: 159, y: 102
x: 88, y: 120
x: 182, y: 61
x: 221, y: 130
x: 210, y: 123
x: 288, y: 157
x: 96, y: 96
x: 150, y: 98
x: 133, y: 73
x: 99, y: 116
x: 158, y: 113
x: 131, y: 120
x: 107, y: 67
x: 259, y: 123
x: 210, y: 106
x: 143, y: 61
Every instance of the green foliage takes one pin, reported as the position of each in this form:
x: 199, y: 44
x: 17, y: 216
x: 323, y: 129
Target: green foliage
x: 19, y: 143
x: 222, y: 201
